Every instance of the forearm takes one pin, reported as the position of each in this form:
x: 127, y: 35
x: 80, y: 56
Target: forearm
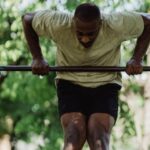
x: 31, y: 37
x: 134, y: 65
x: 142, y: 45
x: 143, y: 41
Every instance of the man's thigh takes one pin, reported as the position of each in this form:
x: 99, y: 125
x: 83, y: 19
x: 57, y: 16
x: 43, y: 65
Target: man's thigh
x: 71, y: 98
x: 73, y: 118
x: 98, y: 130
x: 104, y: 120
x: 104, y: 102
x: 74, y: 98
x: 74, y: 127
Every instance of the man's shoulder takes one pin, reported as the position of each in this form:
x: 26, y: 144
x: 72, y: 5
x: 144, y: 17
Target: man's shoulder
x: 53, y: 18
x: 47, y: 13
x: 116, y: 20
x: 113, y: 20
x: 113, y: 16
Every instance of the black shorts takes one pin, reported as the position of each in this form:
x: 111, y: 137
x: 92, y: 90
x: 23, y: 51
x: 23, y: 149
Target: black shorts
x: 76, y: 98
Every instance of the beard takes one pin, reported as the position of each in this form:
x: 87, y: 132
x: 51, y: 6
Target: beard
x: 87, y: 45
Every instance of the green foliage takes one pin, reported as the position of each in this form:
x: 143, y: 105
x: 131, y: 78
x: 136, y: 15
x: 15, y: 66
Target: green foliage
x: 31, y: 103
x: 28, y: 101
x: 146, y: 6
x: 127, y: 119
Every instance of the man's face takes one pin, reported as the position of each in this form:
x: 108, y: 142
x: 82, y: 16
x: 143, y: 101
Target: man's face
x: 86, y: 31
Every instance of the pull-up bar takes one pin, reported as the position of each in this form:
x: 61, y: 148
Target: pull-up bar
x: 71, y: 68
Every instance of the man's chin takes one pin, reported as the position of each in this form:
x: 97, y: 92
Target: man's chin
x: 87, y: 45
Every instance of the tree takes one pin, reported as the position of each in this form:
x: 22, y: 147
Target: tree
x: 28, y: 101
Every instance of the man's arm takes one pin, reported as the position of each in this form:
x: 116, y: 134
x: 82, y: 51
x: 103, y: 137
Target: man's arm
x: 39, y: 65
x: 134, y: 66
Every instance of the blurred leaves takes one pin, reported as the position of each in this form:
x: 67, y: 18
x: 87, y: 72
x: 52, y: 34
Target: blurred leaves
x: 127, y: 120
x: 28, y: 101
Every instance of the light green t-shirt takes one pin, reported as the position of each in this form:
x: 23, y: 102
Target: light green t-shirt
x: 116, y: 28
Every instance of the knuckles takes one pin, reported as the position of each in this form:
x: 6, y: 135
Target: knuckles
x: 133, y: 70
x: 40, y: 68
x: 134, y: 67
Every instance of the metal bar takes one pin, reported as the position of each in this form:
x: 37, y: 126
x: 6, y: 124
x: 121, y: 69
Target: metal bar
x: 71, y: 68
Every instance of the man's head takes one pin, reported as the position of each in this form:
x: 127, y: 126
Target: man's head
x: 87, y: 23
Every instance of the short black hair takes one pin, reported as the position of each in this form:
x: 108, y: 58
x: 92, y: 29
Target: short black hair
x: 87, y: 12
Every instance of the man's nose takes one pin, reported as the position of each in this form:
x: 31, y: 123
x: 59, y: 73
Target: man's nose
x: 85, y: 39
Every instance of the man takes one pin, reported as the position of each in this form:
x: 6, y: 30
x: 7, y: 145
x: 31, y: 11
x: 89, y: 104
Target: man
x: 88, y: 102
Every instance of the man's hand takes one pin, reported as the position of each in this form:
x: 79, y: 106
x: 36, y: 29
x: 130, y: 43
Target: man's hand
x: 40, y: 67
x: 134, y: 67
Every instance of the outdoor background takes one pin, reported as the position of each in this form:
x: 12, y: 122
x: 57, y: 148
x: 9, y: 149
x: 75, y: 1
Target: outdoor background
x: 28, y: 104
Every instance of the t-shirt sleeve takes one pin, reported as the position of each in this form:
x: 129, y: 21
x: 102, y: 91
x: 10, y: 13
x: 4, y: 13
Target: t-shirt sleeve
x: 48, y: 22
x: 128, y: 24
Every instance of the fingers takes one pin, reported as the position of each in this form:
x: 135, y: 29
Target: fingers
x: 40, y: 70
x: 133, y: 70
x: 134, y: 67
x: 40, y: 67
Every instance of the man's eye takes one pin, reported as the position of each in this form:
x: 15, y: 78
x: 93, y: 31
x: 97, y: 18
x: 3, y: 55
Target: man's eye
x: 87, y: 34
x: 80, y: 33
x: 90, y: 33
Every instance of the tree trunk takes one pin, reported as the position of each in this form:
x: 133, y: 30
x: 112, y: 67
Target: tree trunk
x: 146, y: 123
x: 5, y: 143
